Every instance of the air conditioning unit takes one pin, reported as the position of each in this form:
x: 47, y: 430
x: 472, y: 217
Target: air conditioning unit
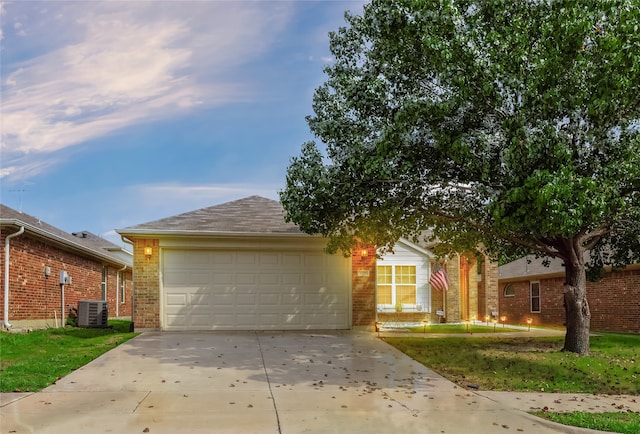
x: 93, y: 313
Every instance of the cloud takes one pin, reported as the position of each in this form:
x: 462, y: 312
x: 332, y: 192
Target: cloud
x: 127, y: 63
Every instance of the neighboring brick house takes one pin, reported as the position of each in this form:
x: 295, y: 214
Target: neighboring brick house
x: 241, y: 266
x: 528, y: 289
x: 38, y: 252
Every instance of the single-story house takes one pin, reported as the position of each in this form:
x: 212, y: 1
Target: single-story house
x: 528, y: 289
x: 240, y: 266
x: 35, y: 256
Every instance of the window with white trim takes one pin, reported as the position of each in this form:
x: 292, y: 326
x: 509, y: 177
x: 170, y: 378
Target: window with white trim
x: 535, y: 296
x: 103, y: 285
x: 396, y: 285
x: 509, y: 290
x: 122, y: 287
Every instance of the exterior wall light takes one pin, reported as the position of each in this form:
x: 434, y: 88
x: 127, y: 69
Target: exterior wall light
x: 364, y: 253
x: 148, y: 251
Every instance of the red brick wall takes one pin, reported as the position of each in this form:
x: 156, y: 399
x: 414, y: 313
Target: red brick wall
x: 146, y: 282
x: 32, y: 296
x: 614, y: 302
x: 363, y: 296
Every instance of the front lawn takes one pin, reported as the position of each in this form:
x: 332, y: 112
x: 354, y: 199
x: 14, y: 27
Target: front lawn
x: 621, y: 423
x: 32, y: 361
x: 537, y: 365
x: 531, y: 364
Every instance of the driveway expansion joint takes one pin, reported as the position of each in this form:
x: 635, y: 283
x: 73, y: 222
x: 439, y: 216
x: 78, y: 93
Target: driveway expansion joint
x: 266, y: 373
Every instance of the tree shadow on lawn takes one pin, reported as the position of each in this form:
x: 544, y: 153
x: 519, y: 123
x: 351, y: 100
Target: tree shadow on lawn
x: 532, y: 364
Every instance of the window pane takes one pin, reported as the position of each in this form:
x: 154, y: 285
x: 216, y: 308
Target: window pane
x: 535, y: 305
x: 406, y: 274
x: 384, y: 294
x: 535, y: 289
x: 406, y: 294
x: 384, y: 275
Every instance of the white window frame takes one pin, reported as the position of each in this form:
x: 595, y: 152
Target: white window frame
x: 394, y: 299
x: 122, y: 288
x: 532, y: 297
x: 511, y: 288
x: 103, y: 284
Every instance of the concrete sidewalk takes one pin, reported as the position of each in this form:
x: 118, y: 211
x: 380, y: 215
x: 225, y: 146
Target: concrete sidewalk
x: 334, y: 382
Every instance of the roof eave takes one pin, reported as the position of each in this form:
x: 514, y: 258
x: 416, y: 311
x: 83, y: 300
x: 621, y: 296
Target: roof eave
x: 60, y: 241
x: 148, y: 233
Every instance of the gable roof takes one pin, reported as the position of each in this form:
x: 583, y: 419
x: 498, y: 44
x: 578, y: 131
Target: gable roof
x: 93, y: 245
x: 530, y: 267
x: 254, y: 215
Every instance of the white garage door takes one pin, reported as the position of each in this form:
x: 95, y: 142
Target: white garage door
x: 255, y: 290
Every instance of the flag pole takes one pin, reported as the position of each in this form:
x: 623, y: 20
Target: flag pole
x: 444, y: 297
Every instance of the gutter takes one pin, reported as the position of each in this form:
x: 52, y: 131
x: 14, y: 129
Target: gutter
x: 61, y: 240
x: 6, y: 275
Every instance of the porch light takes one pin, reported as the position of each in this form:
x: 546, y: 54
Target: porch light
x: 529, y: 321
x: 148, y: 251
x: 364, y: 253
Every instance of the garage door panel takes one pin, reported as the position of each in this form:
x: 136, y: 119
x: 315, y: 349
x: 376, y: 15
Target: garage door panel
x: 268, y: 258
x: 249, y: 300
x: 255, y: 290
x: 223, y: 299
x: 221, y: 258
x: 266, y: 300
x: 246, y: 279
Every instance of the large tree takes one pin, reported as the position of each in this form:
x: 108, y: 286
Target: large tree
x: 511, y: 124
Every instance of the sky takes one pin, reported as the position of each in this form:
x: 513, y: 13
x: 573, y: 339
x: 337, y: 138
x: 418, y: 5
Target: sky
x: 116, y: 113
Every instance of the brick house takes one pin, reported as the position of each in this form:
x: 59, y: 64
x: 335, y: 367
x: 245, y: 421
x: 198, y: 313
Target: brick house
x: 528, y: 289
x: 39, y: 252
x: 240, y: 266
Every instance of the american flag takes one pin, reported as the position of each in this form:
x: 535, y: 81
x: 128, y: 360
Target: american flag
x: 439, y: 279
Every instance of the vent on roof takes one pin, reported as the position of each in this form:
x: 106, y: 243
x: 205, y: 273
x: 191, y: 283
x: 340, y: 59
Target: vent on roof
x: 93, y: 313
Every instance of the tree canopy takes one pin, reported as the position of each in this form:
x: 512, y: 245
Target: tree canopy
x: 518, y: 121
x: 509, y: 124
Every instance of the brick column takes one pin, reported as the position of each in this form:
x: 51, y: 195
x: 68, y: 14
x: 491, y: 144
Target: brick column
x: 146, y: 284
x: 363, y: 296
x: 490, y: 284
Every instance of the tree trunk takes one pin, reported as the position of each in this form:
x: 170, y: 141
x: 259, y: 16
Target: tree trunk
x: 578, y: 316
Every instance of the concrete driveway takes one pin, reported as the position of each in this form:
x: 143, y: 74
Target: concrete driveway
x: 343, y: 382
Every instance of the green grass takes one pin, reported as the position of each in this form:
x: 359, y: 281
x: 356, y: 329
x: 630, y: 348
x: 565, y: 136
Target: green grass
x: 461, y: 328
x: 623, y: 423
x: 531, y: 364
x: 32, y: 361
x: 537, y: 364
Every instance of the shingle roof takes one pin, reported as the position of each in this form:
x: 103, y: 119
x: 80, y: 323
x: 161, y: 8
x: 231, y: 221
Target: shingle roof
x: 530, y: 267
x: 251, y: 215
x: 91, y: 244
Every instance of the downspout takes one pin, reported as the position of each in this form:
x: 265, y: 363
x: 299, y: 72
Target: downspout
x: 133, y: 299
x: 118, y: 290
x: 6, y: 275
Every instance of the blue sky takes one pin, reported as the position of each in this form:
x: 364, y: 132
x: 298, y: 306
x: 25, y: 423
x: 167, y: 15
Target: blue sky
x: 117, y: 113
